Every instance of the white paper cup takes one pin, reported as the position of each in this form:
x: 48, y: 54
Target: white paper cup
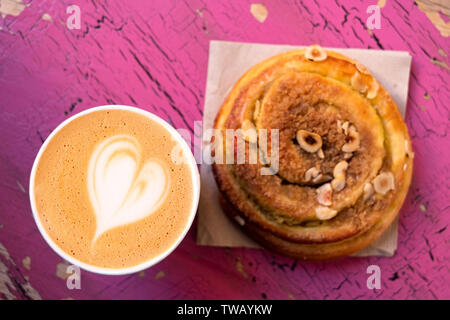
x: 195, y: 198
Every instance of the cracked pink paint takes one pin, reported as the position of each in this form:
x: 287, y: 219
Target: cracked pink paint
x: 153, y: 54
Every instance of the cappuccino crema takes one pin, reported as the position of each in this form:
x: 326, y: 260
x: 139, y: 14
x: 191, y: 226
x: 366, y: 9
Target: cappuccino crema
x: 107, y: 191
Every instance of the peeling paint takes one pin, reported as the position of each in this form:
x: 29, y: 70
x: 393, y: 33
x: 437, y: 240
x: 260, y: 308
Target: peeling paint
x: 159, y: 275
x: 442, y: 53
x: 30, y: 291
x: 7, y: 285
x: 47, y: 17
x: 381, y: 3
x: 259, y: 11
x: 26, y: 262
x: 439, y: 63
x: 204, y: 21
x: 431, y: 8
x: 240, y: 268
x: 61, y: 270
x: 11, y: 7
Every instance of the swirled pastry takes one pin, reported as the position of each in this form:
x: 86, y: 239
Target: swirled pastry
x: 343, y: 158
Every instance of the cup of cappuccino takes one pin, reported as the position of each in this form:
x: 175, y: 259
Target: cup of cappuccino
x: 114, y: 189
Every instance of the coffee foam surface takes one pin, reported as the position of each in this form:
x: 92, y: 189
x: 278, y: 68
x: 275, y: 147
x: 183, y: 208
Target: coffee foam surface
x: 107, y: 192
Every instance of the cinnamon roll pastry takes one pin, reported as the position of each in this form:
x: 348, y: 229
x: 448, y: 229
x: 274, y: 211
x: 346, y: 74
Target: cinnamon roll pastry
x: 334, y: 162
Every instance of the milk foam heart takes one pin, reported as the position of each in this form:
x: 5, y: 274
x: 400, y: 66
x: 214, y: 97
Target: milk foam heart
x: 122, y: 187
x: 107, y: 193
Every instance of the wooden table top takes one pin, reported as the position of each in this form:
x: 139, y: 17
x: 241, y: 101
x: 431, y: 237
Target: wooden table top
x: 153, y: 54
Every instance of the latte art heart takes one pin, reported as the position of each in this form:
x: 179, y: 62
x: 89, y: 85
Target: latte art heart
x: 106, y: 192
x: 122, y: 187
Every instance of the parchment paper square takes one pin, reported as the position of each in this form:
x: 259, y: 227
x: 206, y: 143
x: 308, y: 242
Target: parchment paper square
x: 227, y: 63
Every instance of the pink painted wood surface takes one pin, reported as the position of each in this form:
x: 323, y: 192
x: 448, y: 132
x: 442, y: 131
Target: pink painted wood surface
x: 153, y: 54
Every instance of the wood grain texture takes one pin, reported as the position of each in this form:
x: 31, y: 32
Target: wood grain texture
x: 153, y: 54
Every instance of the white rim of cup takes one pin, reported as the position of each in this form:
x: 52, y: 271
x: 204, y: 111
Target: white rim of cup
x: 146, y: 264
